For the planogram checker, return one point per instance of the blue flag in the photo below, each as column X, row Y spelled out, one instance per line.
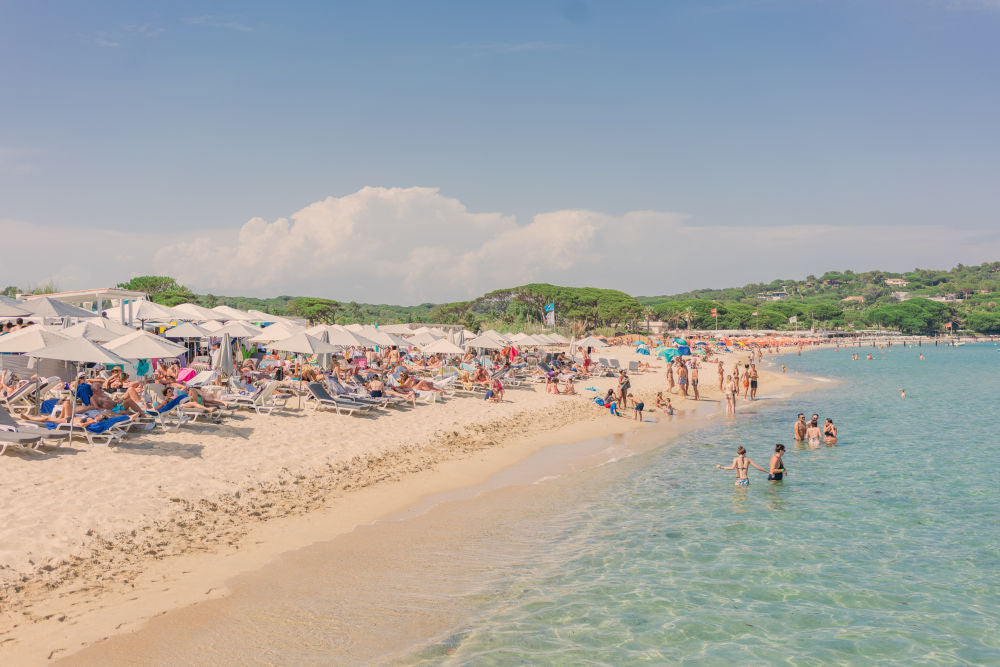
column 549, row 308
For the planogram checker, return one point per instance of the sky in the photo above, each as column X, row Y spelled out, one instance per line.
column 403, row 152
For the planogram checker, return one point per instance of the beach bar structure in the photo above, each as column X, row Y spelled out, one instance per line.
column 97, row 300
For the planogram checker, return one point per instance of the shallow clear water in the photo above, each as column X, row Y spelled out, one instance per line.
column 884, row 547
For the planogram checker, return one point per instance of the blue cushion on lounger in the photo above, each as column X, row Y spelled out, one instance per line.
column 105, row 424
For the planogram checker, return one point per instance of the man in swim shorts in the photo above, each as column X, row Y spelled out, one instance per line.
column 637, row 408
column 682, row 379
column 753, row 382
column 800, row 427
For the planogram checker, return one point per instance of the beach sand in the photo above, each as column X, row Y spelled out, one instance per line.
column 97, row 541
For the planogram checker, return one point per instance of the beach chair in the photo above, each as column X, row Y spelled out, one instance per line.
column 8, row 423
column 21, row 441
column 263, row 401
column 104, row 432
column 615, row 366
column 322, row 398
column 633, row 367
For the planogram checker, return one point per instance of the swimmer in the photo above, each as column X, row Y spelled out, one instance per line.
column 902, row 393
column 800, row 427
column 741, row 464
column 777, row 466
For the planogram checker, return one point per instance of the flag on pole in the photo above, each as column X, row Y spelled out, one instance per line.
column 793, row 319
column 947, row 325
column 715, row 312
column 755, row 313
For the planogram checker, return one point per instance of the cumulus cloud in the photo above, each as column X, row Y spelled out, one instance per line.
column 406, row 245
column 409, row 245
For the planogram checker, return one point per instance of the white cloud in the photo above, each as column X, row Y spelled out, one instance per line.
column 408, row 245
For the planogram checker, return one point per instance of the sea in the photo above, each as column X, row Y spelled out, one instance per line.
column 884, row 548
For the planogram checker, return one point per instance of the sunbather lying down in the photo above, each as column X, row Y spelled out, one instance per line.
column 62, row 411
column 409, row 382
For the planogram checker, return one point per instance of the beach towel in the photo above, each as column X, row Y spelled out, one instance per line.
column 84, row 392
column 47, row 405
column 186, row 374
column 172, row 403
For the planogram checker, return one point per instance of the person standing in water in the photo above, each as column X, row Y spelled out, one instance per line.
column 777, row 466
column 829, row 432
column 730, row 393
column 753, row 382
column 741, row 464
column 722, row 374
column 813, row 434
column 800, row 427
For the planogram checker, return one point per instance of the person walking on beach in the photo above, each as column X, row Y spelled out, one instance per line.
column 753, row 382
column 694, row 378
column 730, row 393
column 722, row 374
column 637, row 407
column 670, row 377
column 623, row 386
column 741, row 464
column 682, row 378
column 777, row 466
column 800, row 427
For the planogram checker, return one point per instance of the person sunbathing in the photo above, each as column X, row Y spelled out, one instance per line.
column 401, row 392
column 203, row 402
column 116, row 381
column 62, row 412
column 14, row 384
column 98, row 398
column 408, row 381
column 480, row 375
column 644, row 367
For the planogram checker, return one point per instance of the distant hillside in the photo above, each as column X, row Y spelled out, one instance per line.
column 919, row 301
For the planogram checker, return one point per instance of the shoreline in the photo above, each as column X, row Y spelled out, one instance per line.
column 121, row 594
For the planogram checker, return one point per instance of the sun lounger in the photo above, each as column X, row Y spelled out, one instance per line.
column 323, row 399
column 8, row 423
column 261, row 401
column 106, row 430
column 17, row 440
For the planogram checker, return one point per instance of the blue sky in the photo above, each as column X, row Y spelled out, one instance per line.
column 149, row 123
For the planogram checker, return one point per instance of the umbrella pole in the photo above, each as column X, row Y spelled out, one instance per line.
column 72, row 403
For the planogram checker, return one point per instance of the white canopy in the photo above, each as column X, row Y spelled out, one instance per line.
column 187, row 330
column 238, row 329
column 196, row 313
column 260, row 316
column 79, row 350
column 496, row 335
column 385, row 338
column 531, row 341
column 402, row 329
column 30, row 339
column 43, row 306
column 303, row 343
column 442, row 346
column 233, row 314
column 559, row 339
column 144, row 345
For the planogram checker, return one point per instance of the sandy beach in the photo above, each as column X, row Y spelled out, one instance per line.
column 98, row 540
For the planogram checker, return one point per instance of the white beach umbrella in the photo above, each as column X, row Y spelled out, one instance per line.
column 30, row 339
column 187, row 330
column 144, row 311
column 224, row 361
column 78, row 350
column 386, row 339
column 8, row 310
column 530, row 341
column 442, row 346
column 485, row 342
column 43, row 306
column 558, row 338
column 572, row 347
column 238, row 329
column 356, row 328
column 468, row 334
column 398, row 329
column 590, row 341
column 342, row 337
column 212, row 326
column 278, row 331
column 425, row 338
column 260, row 316
column 496, row 335
column 316, row 329
column 231, row 313
column 111, row 325
column 200, row 313
column 144, row 345
column 325, row 359
column 91, row 331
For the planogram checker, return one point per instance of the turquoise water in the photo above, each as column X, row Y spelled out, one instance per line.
column 883, row 548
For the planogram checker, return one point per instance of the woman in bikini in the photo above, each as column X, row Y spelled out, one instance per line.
column 722, row 374
column 829, row 432
column 777, row 466
column 814, row 434
column 730, row 392
column 741, row 464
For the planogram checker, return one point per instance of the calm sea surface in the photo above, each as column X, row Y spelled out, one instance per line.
column 883, row 548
